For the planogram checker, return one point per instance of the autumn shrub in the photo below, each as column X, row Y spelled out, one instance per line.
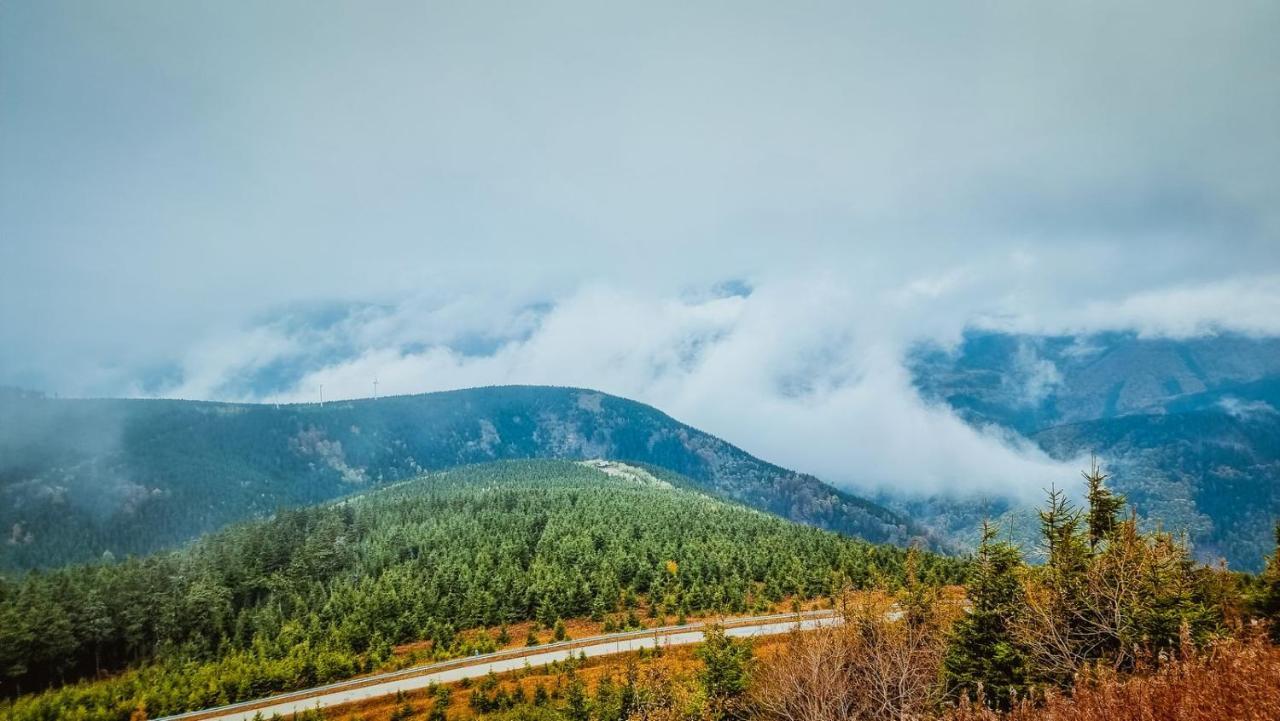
column 1230, row 680
column 883, row 662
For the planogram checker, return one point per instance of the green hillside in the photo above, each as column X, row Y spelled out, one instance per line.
column 82, row 477
column 321, row 593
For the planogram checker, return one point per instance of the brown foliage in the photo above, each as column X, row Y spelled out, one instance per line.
column 1232, row 680
column 877, row 665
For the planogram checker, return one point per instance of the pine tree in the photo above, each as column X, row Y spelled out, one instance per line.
column 576, row 697
column 1269, row 604
column 1104, row 506
column 404, row 710
column 440, row 705
column 1066, row 552
column 983, row 653
column 1054, row 628
column 917, row 599
column 726, row 668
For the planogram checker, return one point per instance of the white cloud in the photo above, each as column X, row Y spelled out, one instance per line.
column 510, row 197
column 805, row 371
column 1246, row 410
column 1247, row 304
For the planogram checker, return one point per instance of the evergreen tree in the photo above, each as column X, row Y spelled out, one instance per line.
column 984, row 658
column 439, row 708
column 726, row 668
column 1104, row 506
column 1270, row 599
column 576, row 707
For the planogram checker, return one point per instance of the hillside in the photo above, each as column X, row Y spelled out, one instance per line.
column 1030, row 383
column 82, row 477
column 323, row 593
column 1188, row 428
column 1213, row 475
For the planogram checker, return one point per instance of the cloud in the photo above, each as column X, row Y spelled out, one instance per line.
column 1246, row 410
column 174, row 169
column 249, row 202
column 1248, row 304
column 805, row 371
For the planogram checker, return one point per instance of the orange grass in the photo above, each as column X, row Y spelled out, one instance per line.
column 1234, row 681
column 674, row 662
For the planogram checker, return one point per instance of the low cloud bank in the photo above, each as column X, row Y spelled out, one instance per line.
column 806, row 370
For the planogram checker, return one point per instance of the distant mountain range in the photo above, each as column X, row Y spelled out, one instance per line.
column 1190, row 429
column 80, row 478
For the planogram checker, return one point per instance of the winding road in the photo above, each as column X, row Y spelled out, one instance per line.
column 359, row 689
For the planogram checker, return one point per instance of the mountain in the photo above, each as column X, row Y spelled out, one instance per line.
column 1188, row 428
column 1214, row 475
column 80, row 478
column 321, row 593
column 1030, row 383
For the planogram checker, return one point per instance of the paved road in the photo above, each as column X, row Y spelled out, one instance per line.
column 359, row 689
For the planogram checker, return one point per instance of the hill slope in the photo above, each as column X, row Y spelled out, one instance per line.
column 1030, row 383
column 1189, row 428
column 82, row 477
column 321, row 593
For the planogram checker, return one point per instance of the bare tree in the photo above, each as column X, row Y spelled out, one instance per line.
column 879, row 665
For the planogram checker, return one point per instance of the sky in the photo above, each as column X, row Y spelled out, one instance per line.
column 743, row 213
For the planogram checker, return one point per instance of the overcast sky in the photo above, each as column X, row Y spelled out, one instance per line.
column 742, row 213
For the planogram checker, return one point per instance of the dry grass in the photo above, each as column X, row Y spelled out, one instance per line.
column 1233, row 681
column 410, row 654
column 675, row 666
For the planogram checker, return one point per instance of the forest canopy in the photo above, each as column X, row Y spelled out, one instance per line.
column 322, row 593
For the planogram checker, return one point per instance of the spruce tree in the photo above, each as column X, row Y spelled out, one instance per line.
column 576, row 708
column 1104, row 506
column 984, row 660
column 726, row 669
column 1270, row 601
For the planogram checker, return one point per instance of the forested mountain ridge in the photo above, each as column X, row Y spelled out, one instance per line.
column 1213, row 475
column 1030, row 383
column 1189, row 428
column 82, row 477
column 322, row 593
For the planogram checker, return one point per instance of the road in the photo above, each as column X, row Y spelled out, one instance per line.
column 359, row 689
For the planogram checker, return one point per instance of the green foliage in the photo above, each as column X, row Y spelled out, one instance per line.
column 726, row 670
column 576, row 706
column 984, row 654
column 1104, row 506
column 1107, row 593
column 1269, row 598
column 439, row 704
column 319, row 594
